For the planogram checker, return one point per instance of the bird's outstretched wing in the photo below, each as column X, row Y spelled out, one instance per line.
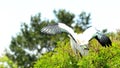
column 51, row 29
column 103, row 40
column 57, row 28
column 92, row 32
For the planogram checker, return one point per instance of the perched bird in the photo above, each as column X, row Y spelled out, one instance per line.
column 79, row 42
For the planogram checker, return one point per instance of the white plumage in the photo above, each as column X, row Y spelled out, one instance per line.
column 79, row 42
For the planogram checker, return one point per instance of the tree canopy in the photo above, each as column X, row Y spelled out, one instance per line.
column 31, row 48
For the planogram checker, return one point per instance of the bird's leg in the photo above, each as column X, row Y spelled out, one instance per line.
column 80, row 55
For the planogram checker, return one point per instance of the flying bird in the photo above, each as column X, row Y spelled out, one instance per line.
column 79, row 42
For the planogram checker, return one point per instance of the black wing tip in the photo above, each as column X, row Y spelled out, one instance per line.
column 51, row 29
column 104, row 41
column 43, row 31
column 107, row 45
column 46, row 32
column 108, row 41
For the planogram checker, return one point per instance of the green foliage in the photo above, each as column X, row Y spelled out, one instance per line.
column 84, row 20
column 30, row 40
column 4, row 59
column 99, row 57
column 59, row 53
column 26, row 49
column 64, row 16
column 102, row 58
column 61, row 57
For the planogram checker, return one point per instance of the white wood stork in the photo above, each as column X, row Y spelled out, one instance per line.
column 79, row 42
